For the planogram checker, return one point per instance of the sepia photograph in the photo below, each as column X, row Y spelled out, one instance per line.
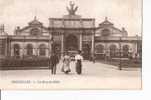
column 71, row 44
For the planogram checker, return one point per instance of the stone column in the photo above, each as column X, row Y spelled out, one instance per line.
column 9, row 47
column 49, row 44
column 62, row 44
column 12, row 51
column 49, row 49
column 135, row 47
column 35, row 48
column 24, row 46
column 80, row 41
column 23, row 49
column 21, row 52
column 36, row 51
column 92, row 47
column 47, row 52
column 6, row 46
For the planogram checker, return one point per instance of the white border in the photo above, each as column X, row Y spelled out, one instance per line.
column 101, row 95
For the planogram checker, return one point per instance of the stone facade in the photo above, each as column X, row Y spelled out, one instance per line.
column 70, row 33
column 110, row 41
column 30, row 40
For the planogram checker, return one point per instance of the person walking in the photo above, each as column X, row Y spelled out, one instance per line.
column 54, row 61
column 66, row 63
column 79, row 59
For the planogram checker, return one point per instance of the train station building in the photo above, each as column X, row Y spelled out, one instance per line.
column 69, row 33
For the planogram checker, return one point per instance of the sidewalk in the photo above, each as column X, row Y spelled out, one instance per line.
column 94, row 76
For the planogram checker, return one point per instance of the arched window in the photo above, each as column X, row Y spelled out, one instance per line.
column 99, row 48
column 35, row 31
column 29, row 49
column 125, row 50
column 105, row 32
column 16, row 50
column 113, row 49
column 42, row 50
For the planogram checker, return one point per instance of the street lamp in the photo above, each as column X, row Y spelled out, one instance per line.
column 51, row 42
column 120, row 64
column 52, row 45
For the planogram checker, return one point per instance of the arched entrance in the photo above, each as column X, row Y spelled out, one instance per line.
column 42, row 50
column 113, row 49
column 71, row 43
column 86, row 51
column 29, row 49
column 99, row 51
column 16, row 50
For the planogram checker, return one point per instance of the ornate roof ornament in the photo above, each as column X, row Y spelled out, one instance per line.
column 35, row 18
column 35, row 22
column 106, row 22
column 72, row 8
column 106, row 18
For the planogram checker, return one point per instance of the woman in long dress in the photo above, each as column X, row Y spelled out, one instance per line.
column 66, row 63
column 79, row 59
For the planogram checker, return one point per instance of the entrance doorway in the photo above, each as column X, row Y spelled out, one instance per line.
column 86, row 51
column 71, row 43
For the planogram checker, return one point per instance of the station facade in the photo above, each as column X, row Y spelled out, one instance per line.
column 70, row 33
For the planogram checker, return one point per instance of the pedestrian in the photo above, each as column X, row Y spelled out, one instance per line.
column 78, row 60
column 66, row 63
column 54, row 61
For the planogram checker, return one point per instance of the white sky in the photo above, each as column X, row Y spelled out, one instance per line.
column 123, row 13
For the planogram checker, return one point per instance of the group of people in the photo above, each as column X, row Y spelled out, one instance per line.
column 54, row 60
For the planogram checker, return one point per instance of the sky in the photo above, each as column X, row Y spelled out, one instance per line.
column 123, row 13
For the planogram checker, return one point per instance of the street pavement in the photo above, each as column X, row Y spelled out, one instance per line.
column 94, row 76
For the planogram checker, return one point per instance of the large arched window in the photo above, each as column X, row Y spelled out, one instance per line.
column 113, row 49
column 99, row 48
column 125, row 50
column 16, row 50
column 35, row 31
column 29, row 49
column 105, row 32
column 42, row 50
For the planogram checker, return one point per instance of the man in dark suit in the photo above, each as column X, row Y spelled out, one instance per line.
column 54, row 61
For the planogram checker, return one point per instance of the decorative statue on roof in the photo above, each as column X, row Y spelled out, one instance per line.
column 72, row 9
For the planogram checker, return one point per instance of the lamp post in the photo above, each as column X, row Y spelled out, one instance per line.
column 51, row 42
column 120, row 64
column 52, row 45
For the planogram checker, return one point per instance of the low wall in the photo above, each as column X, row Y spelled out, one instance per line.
column 24, row 63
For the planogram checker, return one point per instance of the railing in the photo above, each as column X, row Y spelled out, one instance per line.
column 24, row 63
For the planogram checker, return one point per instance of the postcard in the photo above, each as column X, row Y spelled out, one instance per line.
column 71, row 44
